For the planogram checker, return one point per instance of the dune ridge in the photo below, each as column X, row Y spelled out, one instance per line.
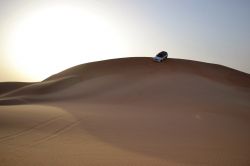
column 124, row 67
column 6, row 87
column 211, row 71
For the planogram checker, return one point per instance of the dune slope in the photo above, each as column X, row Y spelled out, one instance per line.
column 130, row 111
column 6, row 87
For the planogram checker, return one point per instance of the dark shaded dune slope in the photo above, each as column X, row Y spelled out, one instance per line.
column 10, row 86
column 28, row 93
column 45, row 87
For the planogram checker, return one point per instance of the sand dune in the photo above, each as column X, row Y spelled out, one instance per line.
column 6, row 87
column 25, row 94
column 129, row 111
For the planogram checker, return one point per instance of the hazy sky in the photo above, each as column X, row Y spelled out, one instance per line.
column 215, row 31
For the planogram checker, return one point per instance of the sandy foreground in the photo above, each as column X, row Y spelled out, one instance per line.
column 129, row 111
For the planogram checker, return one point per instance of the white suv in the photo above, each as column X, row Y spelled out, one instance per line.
column 161, row 56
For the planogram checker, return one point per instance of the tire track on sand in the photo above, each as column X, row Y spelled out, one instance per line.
column 29, row 130
column 56, row 133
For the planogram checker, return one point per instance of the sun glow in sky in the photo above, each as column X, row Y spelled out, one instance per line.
column 39, row 38
column 51, row 39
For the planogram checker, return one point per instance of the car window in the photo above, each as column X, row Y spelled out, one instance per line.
column 161, row 55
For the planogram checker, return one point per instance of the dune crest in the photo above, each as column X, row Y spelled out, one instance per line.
column 131, row 68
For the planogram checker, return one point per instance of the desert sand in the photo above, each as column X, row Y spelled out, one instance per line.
column 129, row 111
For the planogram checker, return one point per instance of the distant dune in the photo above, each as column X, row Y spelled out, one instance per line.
column 6, row 87
column 129, row 111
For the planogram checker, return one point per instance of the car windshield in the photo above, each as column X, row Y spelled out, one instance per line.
column 161, row 55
